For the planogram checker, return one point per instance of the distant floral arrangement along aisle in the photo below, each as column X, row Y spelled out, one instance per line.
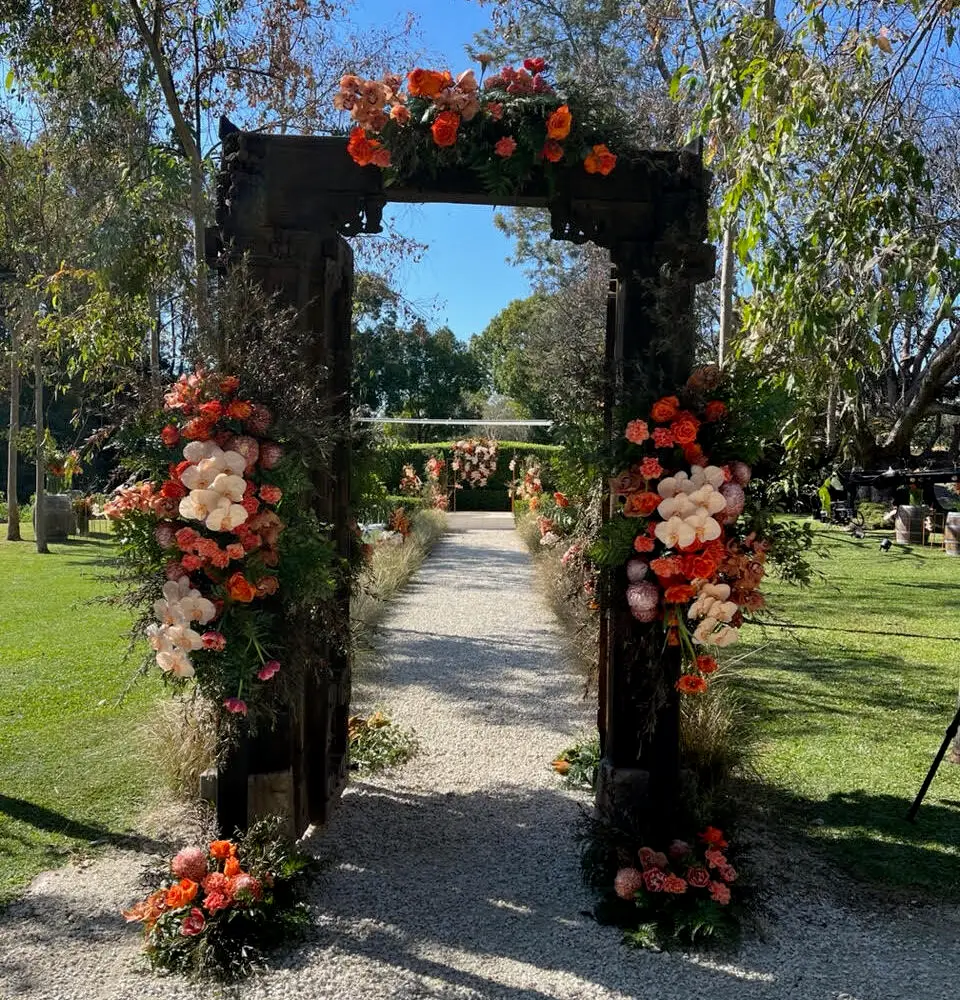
column 504, row 127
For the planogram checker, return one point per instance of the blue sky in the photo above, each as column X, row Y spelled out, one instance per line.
column 463, row 279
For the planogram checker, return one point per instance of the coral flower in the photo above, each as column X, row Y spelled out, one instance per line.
column 231, row 867
column 679, row 594
column 561, row 766
column 650, row 468
column 400, row 114
column 628, row 882
column 495, row 111
column 653, row 879
column 214, row 641
column 241, row 589
column 674, row 884
column 643, row 543
column 229, row 385
column 600, row 160
column 505, row 147
column 270, row 494
column 559, row 122
column 239, row 409
column 444, row 128
column 663, row 437
column 425, row 82
column 719, row 893
column 169, row 435
column 691, row 684
column 552, row 151
column 537, row 65
column 698, row 877
column 561, row 500
column 665, row 409
column 637, row 431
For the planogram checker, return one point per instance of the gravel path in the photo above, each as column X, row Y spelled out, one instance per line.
column 457, row 877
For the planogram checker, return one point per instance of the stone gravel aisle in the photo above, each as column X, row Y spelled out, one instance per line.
column 457, row 876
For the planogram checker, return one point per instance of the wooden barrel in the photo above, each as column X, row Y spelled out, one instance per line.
column 951, row 534
column 909, row 525
column 58, row 516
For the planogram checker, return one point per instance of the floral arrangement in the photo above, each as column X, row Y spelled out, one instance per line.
column 680, row 893
column 435, row 470
column 400, row 522
column 61, row 468
column 204, row 544
column 528, row 485
column 410, row 483
column 691, row 562
column 474, row 461
column 217, row 908
column 503, row 127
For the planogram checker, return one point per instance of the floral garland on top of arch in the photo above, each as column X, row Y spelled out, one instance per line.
column 694, row 559
column 504, row 127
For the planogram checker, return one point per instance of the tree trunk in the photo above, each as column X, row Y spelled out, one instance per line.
column 727, row 273
column 831, row 429
column 13, row 508
column 40, row 522
column 155, row 349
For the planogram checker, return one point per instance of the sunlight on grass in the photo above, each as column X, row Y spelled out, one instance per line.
column 69, row 768
column 850, row 717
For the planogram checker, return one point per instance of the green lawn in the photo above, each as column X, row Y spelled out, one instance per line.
column 69, row 769
column 851, row 717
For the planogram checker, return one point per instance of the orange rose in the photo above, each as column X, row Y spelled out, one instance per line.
column 691, row 684
column 444, row 128
column 552, row 151
column 664, row 410
column 364, row 151
column 695, row 455
column 231, row 867
column 558, row 124
column 240, row 589
column 685, row 429
column 641, row 504
column 400, row 114
column 425, row 82
column 221, row 849
column 679, row 594
column 600, row 161
column 715, row 410
column 239, row 409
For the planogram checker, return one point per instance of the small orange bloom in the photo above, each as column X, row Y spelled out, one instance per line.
column 561, row 500
column 221, row 849
column 715, row 410
column 706, row 664
column 231, row 867
column 665, row 409
column 643, row 543
column 679, row 594
column 239, row 409
column 506, row 147
column 714, row 838
column 650, row 468
column 552, row 151
column 561, row 766
column 559, row 122
column 181, row 894
column 691, row 684
column 239, row 588
column 600, row 161
column 400, row 114
column 425, row 82
column 444, row 128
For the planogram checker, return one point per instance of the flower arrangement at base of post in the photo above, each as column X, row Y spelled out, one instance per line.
column 213, row 564
column 216, row 909
column 676, row 895
column 504, row 128
column 410, row 483
column 436, row 492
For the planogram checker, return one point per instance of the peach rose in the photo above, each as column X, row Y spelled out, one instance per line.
column 444, row 128
column 559, row 122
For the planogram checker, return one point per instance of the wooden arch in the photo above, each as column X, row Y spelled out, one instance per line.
column 286, row 204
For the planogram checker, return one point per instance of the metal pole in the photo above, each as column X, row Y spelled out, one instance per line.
column 947, row 739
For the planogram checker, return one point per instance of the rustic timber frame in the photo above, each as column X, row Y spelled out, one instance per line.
column 284, row 205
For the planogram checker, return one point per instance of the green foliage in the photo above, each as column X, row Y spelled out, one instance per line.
column 873, row 514
column 583, row 758
column 614, row 543
column 377, row 743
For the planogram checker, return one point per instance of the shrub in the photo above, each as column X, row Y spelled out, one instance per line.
column 580, row 762
column 377, row 742
column 873, row 513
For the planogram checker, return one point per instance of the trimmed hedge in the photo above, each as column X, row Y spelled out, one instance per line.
column 388, row 464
